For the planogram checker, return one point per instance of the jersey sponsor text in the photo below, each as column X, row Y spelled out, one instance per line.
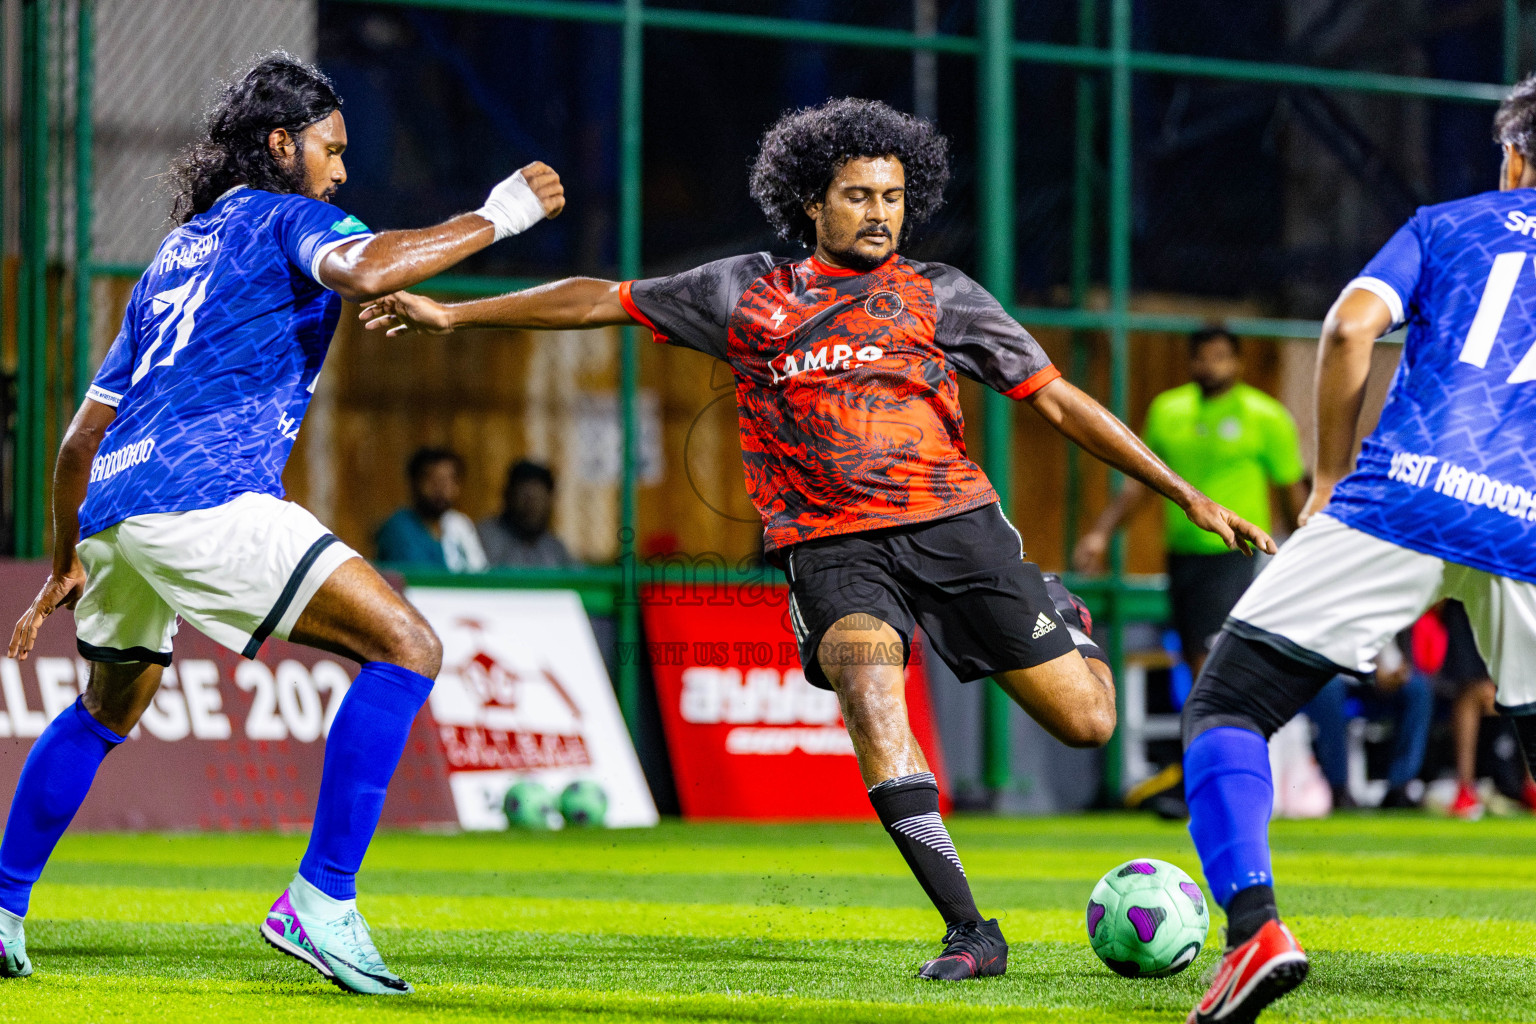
column 104, row 467
column 1464, row 484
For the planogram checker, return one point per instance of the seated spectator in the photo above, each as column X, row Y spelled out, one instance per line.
column 1399, row 692
column 520, row 535
column 431, row 532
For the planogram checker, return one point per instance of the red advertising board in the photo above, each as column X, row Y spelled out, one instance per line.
column 747, row 735
column 226, row 744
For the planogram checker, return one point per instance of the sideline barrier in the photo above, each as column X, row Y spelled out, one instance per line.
column 231, row 744
column 523, row 696
column 748, row 736
column 226, row 744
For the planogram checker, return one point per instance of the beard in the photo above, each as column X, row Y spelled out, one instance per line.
column 856, row 259
column 293, row 176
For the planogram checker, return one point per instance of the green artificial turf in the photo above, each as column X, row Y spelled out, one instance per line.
column 1405, row 917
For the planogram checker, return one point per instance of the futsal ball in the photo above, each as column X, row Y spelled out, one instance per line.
column 529, row 805
column 583, row 802
column 1147, row 919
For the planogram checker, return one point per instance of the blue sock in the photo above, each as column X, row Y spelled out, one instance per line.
column 1227, row 786
column 59, row 771
column 361, row 753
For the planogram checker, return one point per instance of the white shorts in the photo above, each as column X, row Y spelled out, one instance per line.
column 239, row 572
column 1335, row 595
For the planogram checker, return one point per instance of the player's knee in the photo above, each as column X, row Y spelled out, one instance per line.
column 1094, row 723
column 871, row 700
column 1249, row 685
column 415, row 645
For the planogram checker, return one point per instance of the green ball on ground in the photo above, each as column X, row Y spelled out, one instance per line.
column 528, row 805
column 583, row 802
column 1147, row 919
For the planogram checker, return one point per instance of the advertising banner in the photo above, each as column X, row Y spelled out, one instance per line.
column 747, row 735
column 524, row 697
column 226, row 744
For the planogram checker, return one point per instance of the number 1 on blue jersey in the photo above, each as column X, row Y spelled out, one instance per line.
column 1478, row 345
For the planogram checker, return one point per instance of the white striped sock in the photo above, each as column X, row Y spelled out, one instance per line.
column 929, row 830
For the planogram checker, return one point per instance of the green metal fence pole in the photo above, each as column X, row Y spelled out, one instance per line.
column 1119, row 338
column 631, row 110
column 1082, row 255
column 995, row 255
column 58, row 341
column 85, row 135
column 32, row 307
column 5, row 288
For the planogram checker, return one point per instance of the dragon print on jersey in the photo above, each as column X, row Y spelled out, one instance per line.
column 846, row 384
column 849, row 421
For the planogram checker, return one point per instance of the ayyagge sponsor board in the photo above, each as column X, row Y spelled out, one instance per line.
column 747, row 735
column 523, row 695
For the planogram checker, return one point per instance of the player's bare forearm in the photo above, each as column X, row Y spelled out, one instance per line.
column 393, row 260
column 575, row 303
column 571, row 304
column 71, row 476
column 1095, row 429
column 1343, row 365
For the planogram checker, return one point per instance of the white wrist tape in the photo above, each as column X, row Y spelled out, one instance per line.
column 512, row 207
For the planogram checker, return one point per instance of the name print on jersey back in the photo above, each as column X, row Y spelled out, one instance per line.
column 220, row 348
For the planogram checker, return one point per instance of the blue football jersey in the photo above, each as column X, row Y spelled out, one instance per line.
column 217, row 358
column 1451, row 468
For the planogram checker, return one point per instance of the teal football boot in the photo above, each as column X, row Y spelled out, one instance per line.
column 332, row 937
column 13, row 947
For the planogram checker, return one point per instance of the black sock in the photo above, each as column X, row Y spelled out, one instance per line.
column 909, row 810
column 1249, row 911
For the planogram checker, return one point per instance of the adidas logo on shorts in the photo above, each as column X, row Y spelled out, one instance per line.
column 1043, row 625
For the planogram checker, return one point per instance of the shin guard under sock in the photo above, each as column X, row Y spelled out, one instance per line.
column 1227, row 786
column 909, row 810
column 361, row 754
column 58, row 773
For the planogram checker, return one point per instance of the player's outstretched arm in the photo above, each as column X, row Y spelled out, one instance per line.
column 1350, row 331
column 575, row 303
column 392, row 260
column 1093, row 428
column 71, row 473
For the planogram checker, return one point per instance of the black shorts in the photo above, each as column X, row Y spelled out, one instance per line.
column 1463, row 664
column 1202, row 591
column 983, row 609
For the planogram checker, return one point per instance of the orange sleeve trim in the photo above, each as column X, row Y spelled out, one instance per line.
column 627, row 301
column 1036, row 381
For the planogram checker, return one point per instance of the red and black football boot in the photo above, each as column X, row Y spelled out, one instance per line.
column 1071, row 607
column 972, row 949
column 1252, row 976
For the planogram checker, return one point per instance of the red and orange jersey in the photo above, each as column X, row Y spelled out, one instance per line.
column 846, row 382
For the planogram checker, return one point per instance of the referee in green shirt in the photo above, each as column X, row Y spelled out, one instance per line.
column 1234, row 443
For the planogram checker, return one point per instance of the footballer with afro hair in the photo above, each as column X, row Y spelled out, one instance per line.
column 846, row 363
column 801, row 153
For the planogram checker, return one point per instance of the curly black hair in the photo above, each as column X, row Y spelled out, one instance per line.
column 277, row 91
column 800, row 154
column 1515, row 122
